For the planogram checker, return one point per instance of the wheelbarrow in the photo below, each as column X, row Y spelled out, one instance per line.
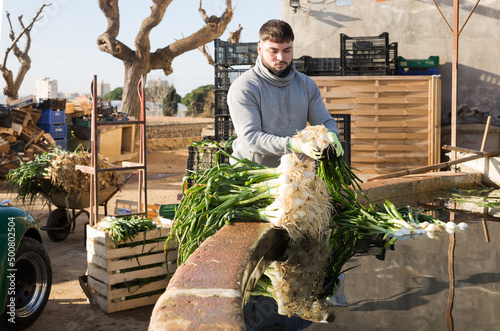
column 61, row 222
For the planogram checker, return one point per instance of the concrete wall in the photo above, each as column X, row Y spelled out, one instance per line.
column 420, row 32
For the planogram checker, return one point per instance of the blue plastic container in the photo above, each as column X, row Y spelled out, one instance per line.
column 418, row 72
column 56, row 130
column 52, row 116
column 62, row 143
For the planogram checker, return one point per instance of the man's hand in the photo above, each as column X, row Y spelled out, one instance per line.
column 334, row 140
column 329, row 153
column 307, row 148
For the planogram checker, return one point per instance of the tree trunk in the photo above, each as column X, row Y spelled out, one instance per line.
column 130, row 99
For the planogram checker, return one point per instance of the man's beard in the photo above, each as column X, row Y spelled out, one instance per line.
column 279, row 73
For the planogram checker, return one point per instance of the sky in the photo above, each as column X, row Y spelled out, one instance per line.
column 64, row 40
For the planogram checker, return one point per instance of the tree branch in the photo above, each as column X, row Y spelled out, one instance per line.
column 234, row 37
column 142, row 43
column 12, row 85
column 107, row 42
column 204, row 50
column 14, row 42
column 162, row 58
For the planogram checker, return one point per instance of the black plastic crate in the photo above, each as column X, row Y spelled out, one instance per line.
column 300, row 64
column 323, row 66
column 366, row 66
column 393, row 59
column 221, row 107
column 224, row 128
column 201, row 158
column 5, row 118
column 344, row 125
column 364, row 45
column 367, row 56
column 317, row 66
column 229, row 54
column 225, row 76
column 52, row 103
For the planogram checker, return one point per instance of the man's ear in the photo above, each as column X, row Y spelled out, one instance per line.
column 259, row 50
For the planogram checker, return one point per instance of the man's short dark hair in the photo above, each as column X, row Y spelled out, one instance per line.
column 276, row 31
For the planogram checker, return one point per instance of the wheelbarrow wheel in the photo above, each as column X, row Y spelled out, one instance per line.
column 57, row 219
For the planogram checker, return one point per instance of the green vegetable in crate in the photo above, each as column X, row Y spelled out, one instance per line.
column 126, row 228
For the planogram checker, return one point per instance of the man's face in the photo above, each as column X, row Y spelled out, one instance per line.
column 277, row 57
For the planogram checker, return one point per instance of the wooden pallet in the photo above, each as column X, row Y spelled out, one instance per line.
column 395, row 120
column 20, row 119
column 113, row 272
column 36, row 138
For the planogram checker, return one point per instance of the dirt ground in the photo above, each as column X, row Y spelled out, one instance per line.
column 68, row 308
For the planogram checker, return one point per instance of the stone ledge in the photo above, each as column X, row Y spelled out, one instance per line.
column 207, row 292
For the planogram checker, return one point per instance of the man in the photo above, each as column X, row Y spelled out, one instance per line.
column 271, row 102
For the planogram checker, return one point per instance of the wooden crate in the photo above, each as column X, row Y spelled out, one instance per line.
column 395, row 120
column 20, row 119
column 114, row 271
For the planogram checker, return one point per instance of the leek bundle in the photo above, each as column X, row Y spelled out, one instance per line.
column 291, row 197
column 297, row 282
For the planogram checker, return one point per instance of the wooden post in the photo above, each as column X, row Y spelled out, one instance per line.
column 454, row 80
column 485, row 135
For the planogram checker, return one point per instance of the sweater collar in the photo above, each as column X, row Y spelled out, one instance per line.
column 263, row 72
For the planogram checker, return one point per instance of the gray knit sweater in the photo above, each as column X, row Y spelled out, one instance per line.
column 267, row 110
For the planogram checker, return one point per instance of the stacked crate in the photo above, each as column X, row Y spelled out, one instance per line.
column 53, row 121
column 231, row 61
column 5, row 117
column 368, row 56
column 312, row 66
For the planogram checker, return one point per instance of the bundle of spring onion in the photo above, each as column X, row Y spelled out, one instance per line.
column 54, row 171
column 290, row 196
column 297, row 282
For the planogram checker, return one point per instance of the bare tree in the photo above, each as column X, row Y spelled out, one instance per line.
column 13, row 84
column 140, row 61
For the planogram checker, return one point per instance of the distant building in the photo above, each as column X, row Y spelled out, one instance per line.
column 71, row 96
column 102, row 89
column 45, row 88
column 83, row 97
column 157, row 82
